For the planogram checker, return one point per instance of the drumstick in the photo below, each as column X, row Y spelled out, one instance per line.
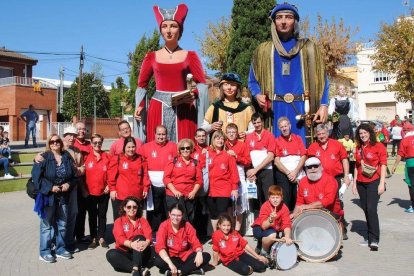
column 281, row 240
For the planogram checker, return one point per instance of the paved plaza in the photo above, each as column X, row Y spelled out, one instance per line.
column 19, row 236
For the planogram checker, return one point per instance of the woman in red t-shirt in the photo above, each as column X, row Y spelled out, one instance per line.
column 132, row 235
column 182, row 178
column 96, row 167
column 127, row 176
column 370, row 187
column 178, row 248
column 232, row 249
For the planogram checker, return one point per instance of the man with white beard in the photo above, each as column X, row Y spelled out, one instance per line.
column 317, row 190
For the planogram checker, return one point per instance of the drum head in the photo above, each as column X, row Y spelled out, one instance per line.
column 319, row 235
column 285, row 256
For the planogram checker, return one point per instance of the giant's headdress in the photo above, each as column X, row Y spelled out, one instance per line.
column 176, row 14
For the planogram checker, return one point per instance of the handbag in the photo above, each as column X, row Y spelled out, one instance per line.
column 367, row 170
column 31, row 189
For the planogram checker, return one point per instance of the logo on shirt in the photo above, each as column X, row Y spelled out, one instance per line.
column 184, row 244
column 125, row 227
column 317, row 154
column 285, row 152
column 179, row 165
column 170, row 242
column 125, row 165
column 333, row 157
column 222, row 244
column 90, row 165
column 104, row 168
column 196, row 156
column 170, row 157
column 370, row 155
column 154, row 154
column 234, row 238
column 320, row 196
column 252, row 144
column 223, row 166
column 305, row 192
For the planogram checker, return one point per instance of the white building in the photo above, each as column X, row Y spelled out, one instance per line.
column 375, row 102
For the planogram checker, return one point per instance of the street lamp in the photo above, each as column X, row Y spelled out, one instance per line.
column 93, row 86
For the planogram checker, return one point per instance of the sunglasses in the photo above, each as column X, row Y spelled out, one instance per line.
column 185, row 148
column 56, row 142
column 312, row 167
column 97, row 143
column 129, row 207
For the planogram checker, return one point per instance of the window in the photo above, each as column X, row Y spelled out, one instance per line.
column 6, row 72
column 380, row 76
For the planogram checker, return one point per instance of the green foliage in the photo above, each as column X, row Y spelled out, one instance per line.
column 250, row 27
column 395, row 55
column 144, row 46
column 215, row 43
column 87, row 94
column 120, row 93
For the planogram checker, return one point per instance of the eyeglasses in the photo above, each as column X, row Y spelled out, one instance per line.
column 126, row 129
column 176, row 216
column 131, row 206
column 97, row 143
column 56, row 142
column 185, row 148
column 312, row 167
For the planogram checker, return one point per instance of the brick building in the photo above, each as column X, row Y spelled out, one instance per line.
column 18, row 89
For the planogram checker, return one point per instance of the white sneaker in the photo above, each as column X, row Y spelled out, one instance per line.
column 364, row 243
column 8, row 176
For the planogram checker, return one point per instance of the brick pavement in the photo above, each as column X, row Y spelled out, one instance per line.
column 19, row 235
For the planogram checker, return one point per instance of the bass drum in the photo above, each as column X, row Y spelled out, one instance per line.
column 283, row 256
column 318, row 234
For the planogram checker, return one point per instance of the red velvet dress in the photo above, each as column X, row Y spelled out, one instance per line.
column 171, row 78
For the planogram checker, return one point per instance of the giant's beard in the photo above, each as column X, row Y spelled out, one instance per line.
column 314, row 176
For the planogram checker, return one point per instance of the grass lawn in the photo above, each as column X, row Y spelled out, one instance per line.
column 13, row 185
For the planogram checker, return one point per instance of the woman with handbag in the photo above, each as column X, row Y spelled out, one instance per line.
column 183, row 179
column 369, row 179
column 53, row 178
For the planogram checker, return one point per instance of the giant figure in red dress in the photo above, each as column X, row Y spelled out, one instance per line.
column 170, row 67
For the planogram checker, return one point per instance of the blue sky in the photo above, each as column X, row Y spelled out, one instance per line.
column 110, row 29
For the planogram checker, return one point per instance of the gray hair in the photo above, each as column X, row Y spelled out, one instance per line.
column 321, row 127
column 283, row 118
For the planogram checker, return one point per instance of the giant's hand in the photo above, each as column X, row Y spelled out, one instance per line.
column 261, row 100
column 321, row 116
column 138, row 112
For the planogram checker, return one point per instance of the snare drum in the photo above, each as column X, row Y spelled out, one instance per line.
column 319, row 234
column 284, row 256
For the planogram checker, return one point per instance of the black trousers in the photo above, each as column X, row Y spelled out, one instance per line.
column 411, row 189
column 264, row 179
column 97, row 207
column 290, row 189
column 241, row 266
column 159, row 214
column 201, row 213
column 368, row 194
column 125, row 261
column 116, row 204
column 81, row 216
column 218, row 206
column 186, row 266
column 187, row 203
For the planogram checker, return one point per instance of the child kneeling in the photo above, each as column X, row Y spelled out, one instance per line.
column 273, row 218
column 231, row 247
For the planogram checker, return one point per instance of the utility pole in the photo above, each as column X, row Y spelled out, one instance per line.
column 61, row 77
column 80, row 83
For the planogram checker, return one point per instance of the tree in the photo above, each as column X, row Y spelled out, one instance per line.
column 395, row 55
column 144, row 46
column 120, row 93
column 334, row 40
column 87, row 98
column 250, row 27
column 215, row 43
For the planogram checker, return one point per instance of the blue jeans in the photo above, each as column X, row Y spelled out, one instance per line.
column 6, row 152
column 56, row 217
column 31, row 129
column 5, row 162
column 72, row 213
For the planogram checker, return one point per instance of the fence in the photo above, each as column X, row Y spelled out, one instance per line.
column 57, row 128
column 108, row 128
column 6, row 126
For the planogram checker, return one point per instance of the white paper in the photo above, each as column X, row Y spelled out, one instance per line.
column 156, row 178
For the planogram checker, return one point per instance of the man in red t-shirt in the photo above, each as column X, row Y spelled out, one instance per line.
column 290, row 155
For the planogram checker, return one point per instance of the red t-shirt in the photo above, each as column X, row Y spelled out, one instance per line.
column 96, row 173
column 128, row 176
column 281, row 221
column 374, row 156
column 183, row 176
column 125, row 230
column 85, row 147
column 331, row 158
column 180, row 244
column 197, row 153
column 292, row 146
column 407, row 147
column 265, row 141
column 117, row 146
column 158, row 156
column 324, row 190
column 229, row 248
column 242, row 153
column 222, row 173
